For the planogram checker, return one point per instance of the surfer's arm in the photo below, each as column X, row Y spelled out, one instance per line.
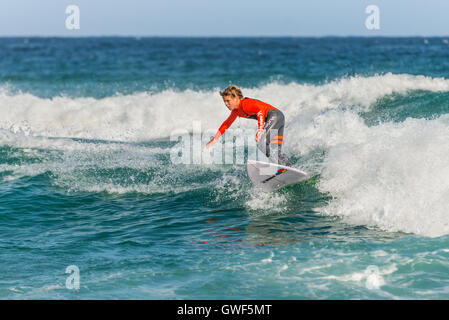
column 226, row 124
column 260, row 123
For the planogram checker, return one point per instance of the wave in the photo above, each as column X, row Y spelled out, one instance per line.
column 144, row 116
column 392, row 175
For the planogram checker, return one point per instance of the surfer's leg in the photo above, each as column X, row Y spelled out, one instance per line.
column 264, row 141
column 276, row 139
column 271, row 141
column 277, row 146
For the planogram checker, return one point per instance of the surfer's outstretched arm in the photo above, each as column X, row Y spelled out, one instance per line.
column 226, row 124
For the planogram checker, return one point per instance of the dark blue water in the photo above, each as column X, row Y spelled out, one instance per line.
column 87, row 176
column 101, row 67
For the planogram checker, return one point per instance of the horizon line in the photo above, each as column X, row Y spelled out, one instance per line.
column 223, row 36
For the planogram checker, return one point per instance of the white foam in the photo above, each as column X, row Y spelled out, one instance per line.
column 371, row 277
column 393, row 176
column 134, row 117
column 269, row 259
column 144, row 116
column 262, row 203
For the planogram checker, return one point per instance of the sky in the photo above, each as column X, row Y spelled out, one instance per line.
column 224, row 18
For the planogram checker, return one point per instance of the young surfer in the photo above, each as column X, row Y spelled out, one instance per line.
column 271, row 121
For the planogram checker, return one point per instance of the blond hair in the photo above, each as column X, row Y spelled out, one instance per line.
column 232, row 91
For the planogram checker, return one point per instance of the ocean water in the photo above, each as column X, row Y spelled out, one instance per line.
column 88, row 182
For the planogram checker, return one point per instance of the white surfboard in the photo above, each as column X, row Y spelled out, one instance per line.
column 270, row 176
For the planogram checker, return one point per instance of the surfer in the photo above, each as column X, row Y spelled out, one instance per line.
column 271, row 121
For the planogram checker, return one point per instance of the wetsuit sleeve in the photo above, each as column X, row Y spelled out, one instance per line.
column 226, row 124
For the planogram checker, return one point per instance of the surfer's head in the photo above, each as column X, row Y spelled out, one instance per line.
column 231, row 97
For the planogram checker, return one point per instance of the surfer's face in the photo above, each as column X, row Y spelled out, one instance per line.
column 231, row 102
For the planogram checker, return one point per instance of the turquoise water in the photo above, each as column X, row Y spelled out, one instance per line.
column 87, row 177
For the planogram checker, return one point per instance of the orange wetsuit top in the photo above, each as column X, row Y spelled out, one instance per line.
column 248, row 108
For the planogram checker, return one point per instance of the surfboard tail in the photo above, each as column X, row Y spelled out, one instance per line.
column 270, row 176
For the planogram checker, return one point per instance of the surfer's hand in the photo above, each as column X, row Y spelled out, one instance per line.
column 210, row 143
column 258, row 135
